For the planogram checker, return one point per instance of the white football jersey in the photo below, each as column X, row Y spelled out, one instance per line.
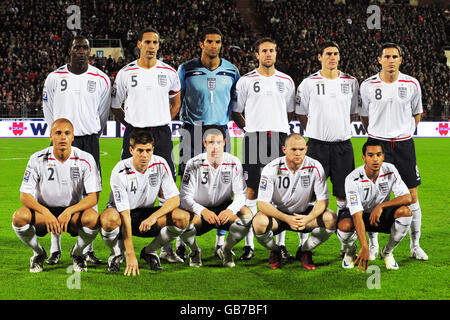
column 265, row 101
column 293, row 192
column 328, row 104
column 364, row 195
column 131, row 189
column 84, row 99
column 391, row 106
column 204, row 186
column 146, row 93
column 60, row 184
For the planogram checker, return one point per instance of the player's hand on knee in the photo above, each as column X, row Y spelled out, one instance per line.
column 225, row 216
column 132, row 266
column 64, row 219
column 375, row 216
column 362, row 259
column 51, row 223
column 293, row 221
column 210, row 217
column 147, row 224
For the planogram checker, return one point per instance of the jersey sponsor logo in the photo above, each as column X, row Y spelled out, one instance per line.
column 91, row 85
column 263, row 184
column 345, row 88
column 402, row 92
column 305, row 181
column 226, row 177
column 162, row 80
column 280, row 86
column 74, row 173
column 153, row 179
column 26, row 176
column 383, row 187
column 211, row 83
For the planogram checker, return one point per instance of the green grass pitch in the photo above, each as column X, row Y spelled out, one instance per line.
column 252, row 280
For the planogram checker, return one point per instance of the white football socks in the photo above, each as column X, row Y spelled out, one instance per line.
column 281, row 238
column 318, row 236
column 166, row 235
column 266, row 240
column 188, row 237
column 27, row 234
column 56, row 243
column 398, row 232
column 415, row 224
column 111, row 240
column 85, row 237
column 237, row 231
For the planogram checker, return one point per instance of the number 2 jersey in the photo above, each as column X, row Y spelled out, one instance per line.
column 364, row 195
column 205, row 186
column 293, row 192
column 60, row 184
column 131, row 189
column 391, row 106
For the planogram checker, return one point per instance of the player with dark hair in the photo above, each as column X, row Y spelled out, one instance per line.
column 325, row 103
column 265, row 96
column 52, row 197
column 391, row 109
column 150, row 91
column 136, row 182
column 368, row 190
column 80, row 93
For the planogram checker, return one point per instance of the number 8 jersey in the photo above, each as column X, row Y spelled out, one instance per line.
column 391, row 106
column 293, row 192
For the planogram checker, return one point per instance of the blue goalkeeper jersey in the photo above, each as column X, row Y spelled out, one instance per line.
column 207, row 95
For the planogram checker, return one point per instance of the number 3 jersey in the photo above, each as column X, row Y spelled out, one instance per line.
column 364, row 195
column 205, row 186
column 60, row 184
column 131, row 189
column 293, row 192
column 391, row 106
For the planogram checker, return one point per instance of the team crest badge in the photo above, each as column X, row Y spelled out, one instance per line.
column 162, row 80
column 402, row 92
column 91, row 85
column 226, row 177
column 280, row 86
column 345, row 88
column 306, row 181
column 211, row 83
column 153, row 179
column 383, row 186
column 74, row 173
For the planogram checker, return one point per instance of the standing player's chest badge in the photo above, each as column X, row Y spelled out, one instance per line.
column 345, row 88
column 402, row 92
column 153, row 179
column 162, row 80
column 74, row 173
column 211, row 83
column 280, row 86
column 91, row 85
column 226, row 177
column 305, row 180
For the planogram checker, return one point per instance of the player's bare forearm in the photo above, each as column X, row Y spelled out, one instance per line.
column 168, row 206
column 175, row 104
column 404, row 200
column 303, row 118
column 365, row 122
column 417, row 118
column 319, row 207
column 119, row 114
column 31, row 203
column 269, row 210
column 291, row 116
column 238, row 119
column 88, row 202
column 360, row 228
column 126, row 232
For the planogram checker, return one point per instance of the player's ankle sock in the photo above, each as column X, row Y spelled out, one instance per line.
column 266, row 240
column 249, row 239
column 398, row 232
column 373, row 239
column 89, row 248
column 188, row 237
column 167, row 247
column 347, row 239
column 238, row 230
column 415, row 224
column 166, row 235
column 220, row 237
column 56, row 242
column 27, row 234
column 318, row 236
column 281, row 238
column 179, row 242
column 111, row 239
column 85, row 236
column 302, row 237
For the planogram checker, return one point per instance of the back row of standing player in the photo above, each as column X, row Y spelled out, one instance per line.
column 211, row 89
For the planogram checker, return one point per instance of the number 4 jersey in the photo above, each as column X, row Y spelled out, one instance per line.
column 293, row 192
column 60, row 184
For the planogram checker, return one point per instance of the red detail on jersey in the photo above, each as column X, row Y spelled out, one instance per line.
column 174, row 93
column 76, row 158
column 317, row 78
column 310, row 168
column 285, row 78
column 285, row 169
column 364, row 181
column 130, row 69
column 132, row 172
column 61, row 72
column 51, row 159
column 228, row 164
column 375, row 82
column 388, row 139
column 386, row 174
column 167, row 68
column 409, row 81
column 99, row 75
column 256, row 75
column 160, row 163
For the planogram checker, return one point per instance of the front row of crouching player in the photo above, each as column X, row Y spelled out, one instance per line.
column 61, row 185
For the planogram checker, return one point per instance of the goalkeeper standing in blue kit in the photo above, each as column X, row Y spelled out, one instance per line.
column 207, row 96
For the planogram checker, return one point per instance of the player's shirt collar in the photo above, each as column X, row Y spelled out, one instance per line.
column 203, row 66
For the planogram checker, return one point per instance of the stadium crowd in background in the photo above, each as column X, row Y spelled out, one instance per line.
column 34, row 40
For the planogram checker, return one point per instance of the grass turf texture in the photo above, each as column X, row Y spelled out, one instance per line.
column 252, row 280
